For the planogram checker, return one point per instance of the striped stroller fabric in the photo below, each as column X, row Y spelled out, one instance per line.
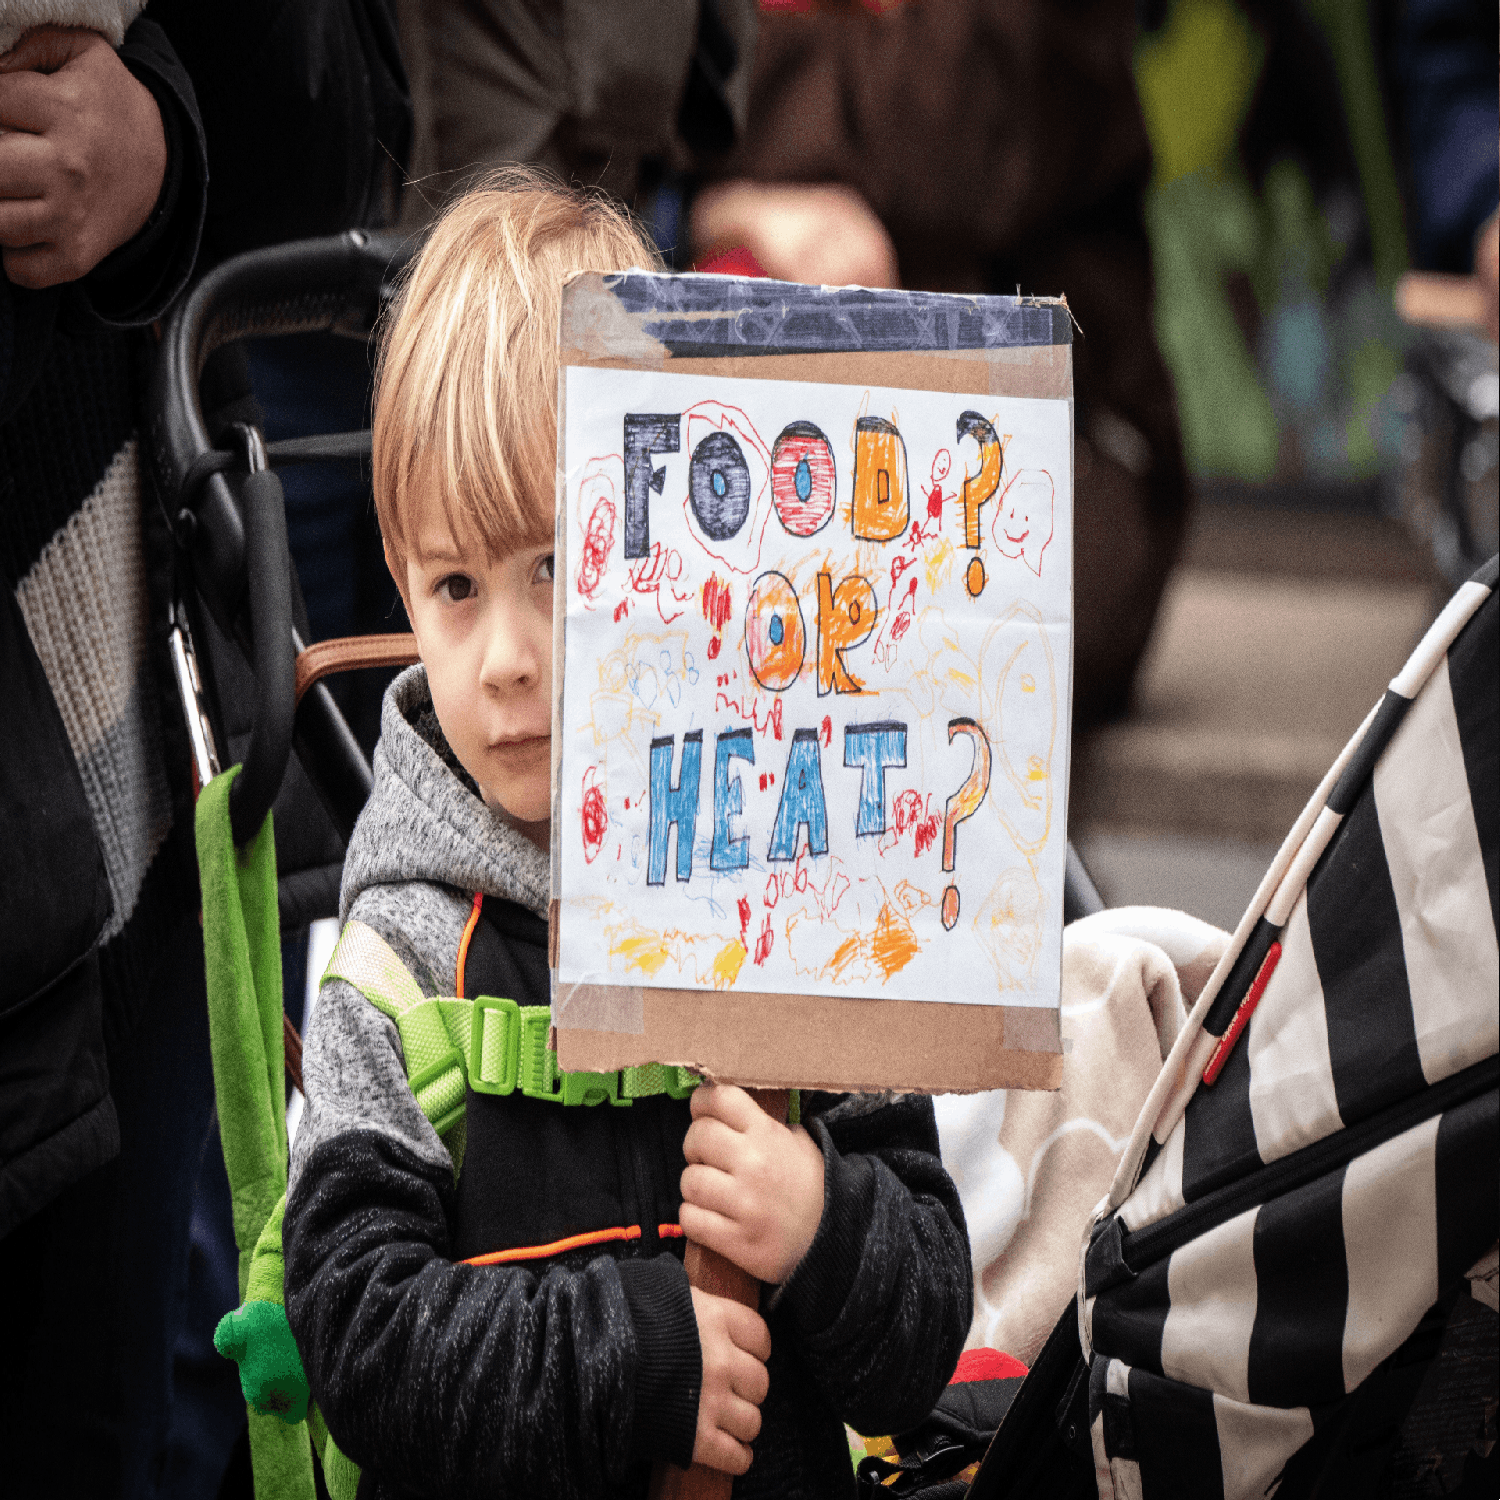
column 1315, row 1169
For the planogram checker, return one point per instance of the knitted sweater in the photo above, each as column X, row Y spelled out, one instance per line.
column 566, row 1376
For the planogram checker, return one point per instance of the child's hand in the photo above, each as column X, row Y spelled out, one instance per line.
column 736, row 1345
column 82, row 155
column 753, row 1188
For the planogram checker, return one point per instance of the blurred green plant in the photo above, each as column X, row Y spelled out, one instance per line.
column 1308, row 400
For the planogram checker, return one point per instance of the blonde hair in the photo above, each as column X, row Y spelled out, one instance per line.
column 466, row 383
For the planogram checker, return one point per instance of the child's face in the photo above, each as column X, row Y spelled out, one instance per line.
column 484, row 630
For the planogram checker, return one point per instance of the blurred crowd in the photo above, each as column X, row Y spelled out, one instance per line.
column 1228, row 193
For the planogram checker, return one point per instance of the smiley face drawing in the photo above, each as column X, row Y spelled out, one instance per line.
column 1023, row 519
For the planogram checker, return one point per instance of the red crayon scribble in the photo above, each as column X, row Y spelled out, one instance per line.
column 595, row 816
column 909, row 811
column 827, row 731
column 713, row 647
column 716, row 602
column 935, row 504
column 906, row 612
column 598, row 537
column 744, row 911
column 763, row 942
column 773, row 892
column 752, row 710
column 899, row 564
column 655, row 574
column 621, row 610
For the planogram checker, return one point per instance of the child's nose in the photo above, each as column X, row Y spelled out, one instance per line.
column 511, row 658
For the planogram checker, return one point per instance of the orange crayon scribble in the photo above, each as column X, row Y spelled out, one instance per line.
column 893, row 944
column 845, row 956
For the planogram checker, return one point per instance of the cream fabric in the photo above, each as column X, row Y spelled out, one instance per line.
column 1031, row 1166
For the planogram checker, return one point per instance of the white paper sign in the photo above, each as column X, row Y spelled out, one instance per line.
column 816, row 688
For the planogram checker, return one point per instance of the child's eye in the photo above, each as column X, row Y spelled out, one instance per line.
column 456, row 587
column 545, row 571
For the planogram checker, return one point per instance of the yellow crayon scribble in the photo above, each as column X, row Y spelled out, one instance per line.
column 726, row 967
column 1036, row 769
column 1028, row 683
column 940, row 565
column 647, row 953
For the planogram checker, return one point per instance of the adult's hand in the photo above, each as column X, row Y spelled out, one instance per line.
column 82, row 155
column 822, row 233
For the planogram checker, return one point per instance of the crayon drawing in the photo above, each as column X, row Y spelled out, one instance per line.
column 813, row 728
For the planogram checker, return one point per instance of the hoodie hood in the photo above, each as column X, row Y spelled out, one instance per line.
column 425, row 820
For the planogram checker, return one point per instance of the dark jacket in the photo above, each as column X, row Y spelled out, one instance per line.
column 567, row 1374
column 304, row 119
column 85, row 805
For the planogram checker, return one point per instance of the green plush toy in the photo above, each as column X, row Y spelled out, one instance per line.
column 257, row 1338
column 242, row 958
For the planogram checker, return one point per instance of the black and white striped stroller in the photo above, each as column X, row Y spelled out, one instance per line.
column 1290, row 1288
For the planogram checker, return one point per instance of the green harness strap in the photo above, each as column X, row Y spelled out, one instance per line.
column 490, row 1045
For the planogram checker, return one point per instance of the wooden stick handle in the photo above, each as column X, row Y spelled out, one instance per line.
column 709, row 1271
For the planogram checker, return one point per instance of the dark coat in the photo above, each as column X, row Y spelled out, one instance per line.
column 69, row 368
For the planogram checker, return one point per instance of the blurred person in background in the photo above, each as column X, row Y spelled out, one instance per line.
column 951, row 145
column 1445, row 60
column 105, row 1083
column 1000, row 146
column 104, row 1073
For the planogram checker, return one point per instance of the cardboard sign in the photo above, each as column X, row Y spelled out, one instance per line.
column 811, row 727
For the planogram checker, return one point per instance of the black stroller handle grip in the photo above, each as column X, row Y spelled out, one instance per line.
column 334, row 285
column 270, row 593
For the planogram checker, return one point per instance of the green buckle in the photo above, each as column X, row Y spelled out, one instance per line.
column 538, row 1075
column 494, row 1045
column 439, row 1089
column 679, row 1082
column 592, row 1088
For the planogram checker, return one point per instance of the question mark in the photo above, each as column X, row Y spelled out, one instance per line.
column 978, row 488
column 964, row 803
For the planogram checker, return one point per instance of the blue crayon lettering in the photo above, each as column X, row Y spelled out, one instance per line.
column 873, row 747
column 729, row 800
column 674, row 805
column 801, row 800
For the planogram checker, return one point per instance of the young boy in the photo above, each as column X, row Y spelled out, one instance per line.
column 569, row 1353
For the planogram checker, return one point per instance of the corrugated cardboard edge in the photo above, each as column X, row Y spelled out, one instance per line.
column 861, row 1044
column 826, row 1041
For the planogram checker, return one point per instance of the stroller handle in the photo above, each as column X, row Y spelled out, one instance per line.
column 336, row 285
column 237, row 548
